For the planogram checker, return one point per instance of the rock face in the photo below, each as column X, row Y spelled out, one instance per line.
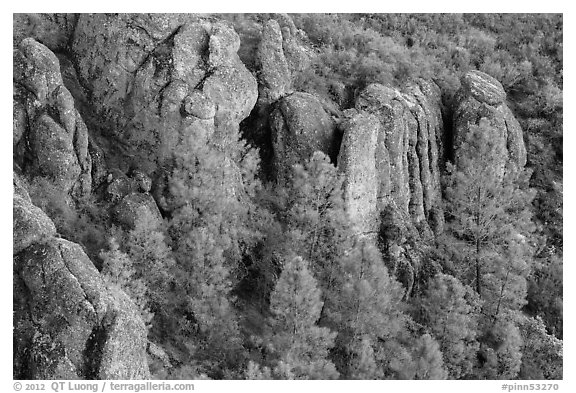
column 52, row 30
column 67, row 323
column 404, row 156
column 279, row 56
column 152, row 77
column 47, row 127
column 300, row 126
column 358, row 161
column 275, row 77
column 482, row 97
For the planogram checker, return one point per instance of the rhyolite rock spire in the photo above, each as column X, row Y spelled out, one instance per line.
column 404, row 155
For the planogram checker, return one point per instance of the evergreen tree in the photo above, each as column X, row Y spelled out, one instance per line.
column 118, row 269
column 213, row 223
column 490, row 222
column 428, row 363
column 367, row 311
column 152, row 259
column 487, row 204
column 300, row 345
column 312, row 223
column 451, row 310
column 542, row 353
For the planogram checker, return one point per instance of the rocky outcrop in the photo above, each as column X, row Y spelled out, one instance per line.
column 358, row 162
column 153, row 77
column 275, row 77
column 404, row 157
column 300, row 126
column 68, row 323
column 482, row 98
column 280, row 55
column 50, row 138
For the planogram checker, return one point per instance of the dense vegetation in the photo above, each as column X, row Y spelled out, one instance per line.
column 267, row 280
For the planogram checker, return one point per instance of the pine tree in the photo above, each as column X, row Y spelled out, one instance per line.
column 428, row 363
column 490, row 221
column 312, row 223
column 118, row 269
column 542, row 353
column 300, row 345
column 367, row 311
column 486, row 205
column 450, row 310
column 212, row 187
column 152, row 258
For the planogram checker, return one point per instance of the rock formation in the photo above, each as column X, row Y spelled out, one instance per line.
column 50, row 137
column 128, row 98
column 152, row 77
column 358, row 162
column 68, row 323
column 404, row 155
column 288, row 126
column 300, row 126
column 483, row 97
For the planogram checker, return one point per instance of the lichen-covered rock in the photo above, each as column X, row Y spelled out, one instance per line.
column 357, row 161
column 150, row 76
column 483, row 87
column 52, row 30
column 68, row 324
column 30, row 224
column 122, row 355
column 67, row 299
column 275, row 76
column 300, row 126
column 133, row 206
column 198, row 105
column 408, row 151
column 482, row 97
column 56, row 135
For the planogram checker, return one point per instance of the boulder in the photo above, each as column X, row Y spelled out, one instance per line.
column 122, row 355
column 483, row 88
column 300, row 126
column 52, row 30
column 133, row 206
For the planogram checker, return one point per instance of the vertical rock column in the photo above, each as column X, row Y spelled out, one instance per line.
column 357, row 161
column 406, row 163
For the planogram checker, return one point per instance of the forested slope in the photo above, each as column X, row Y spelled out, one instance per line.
column 271, row 196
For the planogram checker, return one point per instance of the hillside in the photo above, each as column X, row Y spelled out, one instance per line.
column 273, row 196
